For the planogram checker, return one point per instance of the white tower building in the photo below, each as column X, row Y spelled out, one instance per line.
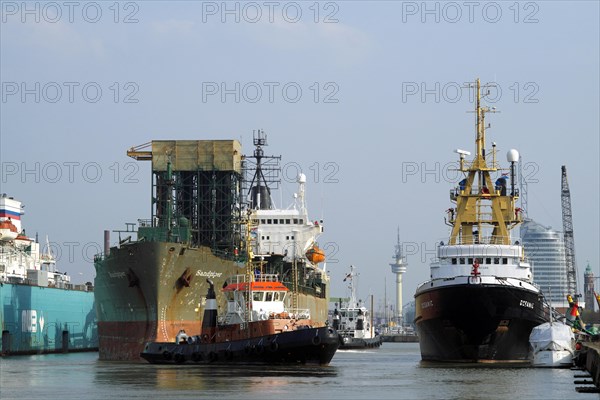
column 398, row 268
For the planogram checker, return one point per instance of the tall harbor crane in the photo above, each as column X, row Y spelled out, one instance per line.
column 567, row 220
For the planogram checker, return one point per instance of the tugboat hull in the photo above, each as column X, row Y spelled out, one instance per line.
column 477, row 323
column 303, row 346
column 350, row 343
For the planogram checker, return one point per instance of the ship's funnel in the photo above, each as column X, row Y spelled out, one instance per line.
column 360, row 321
column 209, row 321
column 261, row 198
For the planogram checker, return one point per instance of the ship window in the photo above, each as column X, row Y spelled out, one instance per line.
column 281, row 221
column 268, row 221
column 470, row 260
column 488, row 260
column 454, row 261
column 287, row 221
column 268, row 237
column 295, row 220
column 496, row 260
column 301, row 220
column 257, row 296
column 262, row 221
column 262, row 237
column 504, row 260
column 287, row 238
column 275, row 221
column 269, row 296
column 462, row 260
column 292, row 238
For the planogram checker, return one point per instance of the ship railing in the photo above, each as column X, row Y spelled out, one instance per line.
column 266, row 277
column 298, row 313
column 258, row 277
column 483, row 239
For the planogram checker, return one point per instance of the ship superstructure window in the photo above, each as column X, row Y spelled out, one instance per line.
column 274, row 221
column 269, row 296
column 504, row 260
column 454, row 261
column 288, row 221
column 470, row 260
column 296, row 221
column 257, row 296
column 281, row 221
column 269, row 221
column 301, row 221
column 263, row 221
column 496, row 260
column 462, row 260
column 488, row 260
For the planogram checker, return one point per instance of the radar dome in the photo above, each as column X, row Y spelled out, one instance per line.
column 512, row 155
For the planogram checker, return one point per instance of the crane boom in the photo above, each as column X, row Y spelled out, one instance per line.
column 567, row 220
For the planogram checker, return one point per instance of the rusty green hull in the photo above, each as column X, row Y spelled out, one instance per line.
column 149, row 291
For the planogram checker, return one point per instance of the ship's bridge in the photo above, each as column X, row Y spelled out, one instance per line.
column 489, row 258
column 284, row 232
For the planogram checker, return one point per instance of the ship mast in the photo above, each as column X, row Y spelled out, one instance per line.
column 265, row 176
column 481, row 204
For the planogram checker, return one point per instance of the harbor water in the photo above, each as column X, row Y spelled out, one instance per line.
column 393, row 371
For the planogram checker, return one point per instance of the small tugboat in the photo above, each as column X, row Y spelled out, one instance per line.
column 353, row 321
column 256, row 329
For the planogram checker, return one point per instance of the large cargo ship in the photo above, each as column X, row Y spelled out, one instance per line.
column 41, row 311
column 206, row 196
column 480, row 304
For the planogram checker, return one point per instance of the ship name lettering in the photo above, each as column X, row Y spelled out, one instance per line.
column 527, row 304
column 209, row 274
column 427, row 304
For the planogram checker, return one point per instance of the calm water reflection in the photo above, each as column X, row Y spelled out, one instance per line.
column 392, row 372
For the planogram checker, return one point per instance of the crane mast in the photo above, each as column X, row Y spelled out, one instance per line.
column 567, row 220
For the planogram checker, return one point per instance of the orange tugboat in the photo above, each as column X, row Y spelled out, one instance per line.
column 256, row 329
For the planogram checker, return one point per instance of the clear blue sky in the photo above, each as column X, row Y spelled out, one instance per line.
column 379, row 114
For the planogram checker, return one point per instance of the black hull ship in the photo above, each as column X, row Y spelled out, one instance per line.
column 260, row 331
column 304, row 346
column 477, row 322
column 480, row 304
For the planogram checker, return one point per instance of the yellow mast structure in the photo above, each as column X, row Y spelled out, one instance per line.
column 479, row 203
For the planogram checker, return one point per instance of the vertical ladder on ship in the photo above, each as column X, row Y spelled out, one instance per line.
column 295, row 285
